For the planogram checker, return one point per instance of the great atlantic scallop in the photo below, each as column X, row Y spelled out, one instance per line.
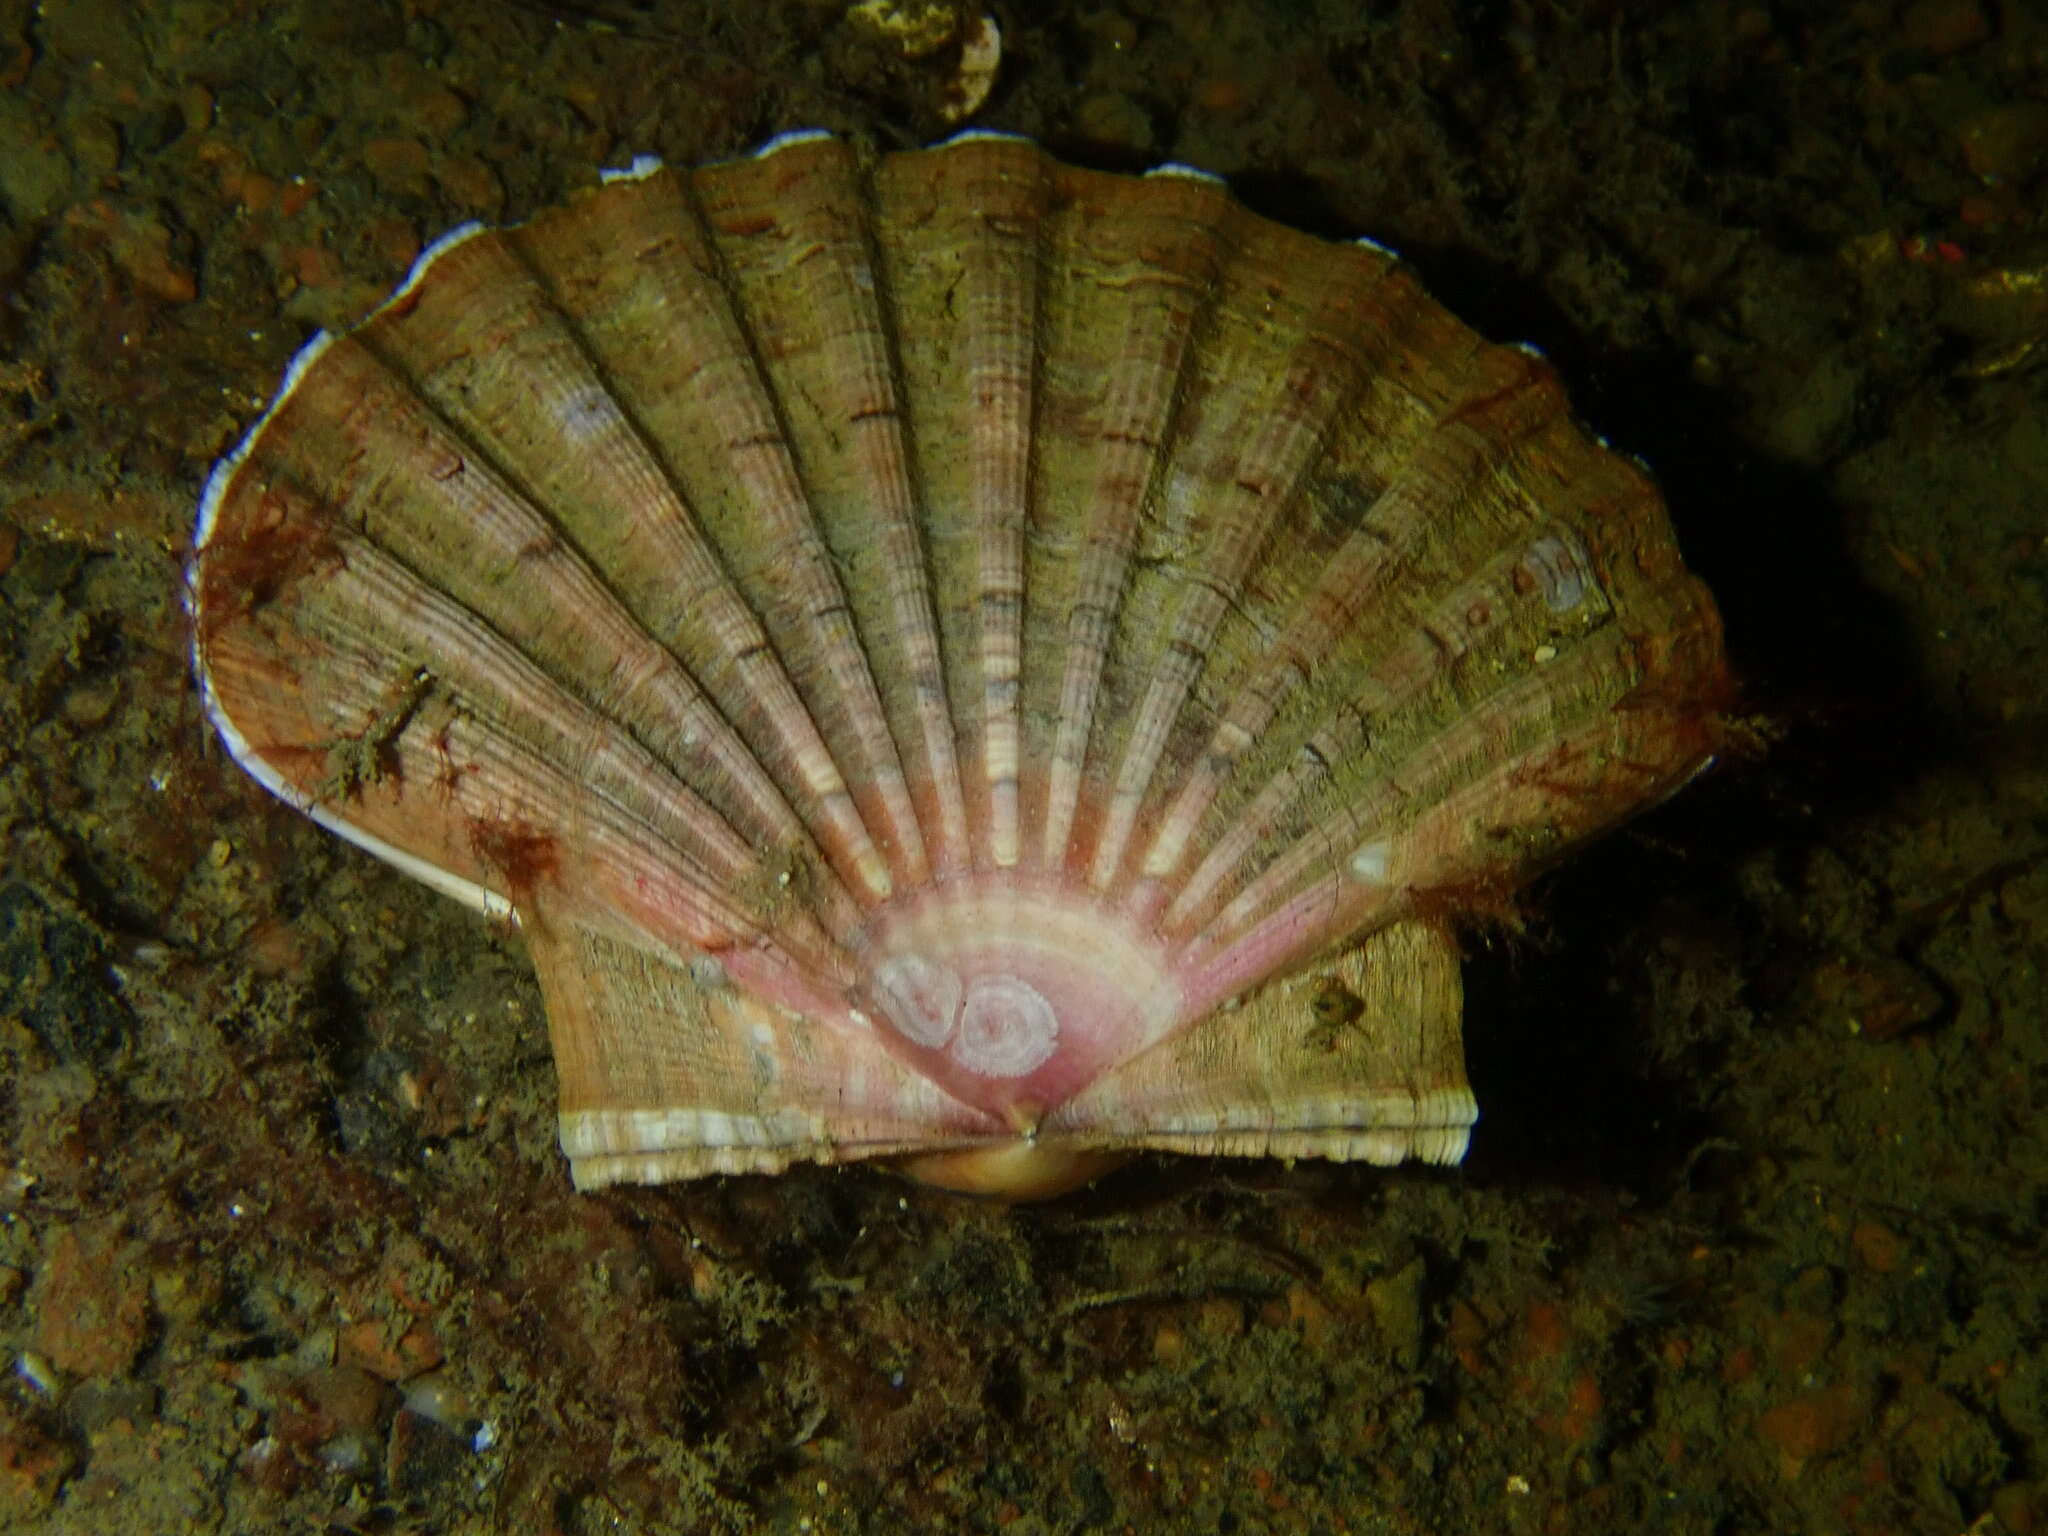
column 952, row 657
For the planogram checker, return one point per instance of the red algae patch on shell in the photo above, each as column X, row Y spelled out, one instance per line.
column 954, row 658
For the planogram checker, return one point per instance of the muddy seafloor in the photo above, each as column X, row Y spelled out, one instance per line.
column 1750, row 1237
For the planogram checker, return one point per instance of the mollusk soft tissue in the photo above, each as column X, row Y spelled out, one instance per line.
column 952, row 658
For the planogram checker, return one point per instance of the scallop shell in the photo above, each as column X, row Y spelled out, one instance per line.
column 952, row 657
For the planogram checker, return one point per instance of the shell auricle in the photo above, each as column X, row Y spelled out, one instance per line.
column 952, row 657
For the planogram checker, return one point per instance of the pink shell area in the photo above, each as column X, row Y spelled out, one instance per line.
column 931, row 649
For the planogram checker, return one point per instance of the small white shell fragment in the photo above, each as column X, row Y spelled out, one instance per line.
column 38, row 1373
column 918, row 27
column 435, row 1396
column 981, row 54
column 1371, row 863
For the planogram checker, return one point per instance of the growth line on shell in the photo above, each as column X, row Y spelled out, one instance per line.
column 1251, row 463
column 747, row 245
column 1147, row 383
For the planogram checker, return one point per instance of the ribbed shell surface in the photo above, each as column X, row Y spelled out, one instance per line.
column 951, row 651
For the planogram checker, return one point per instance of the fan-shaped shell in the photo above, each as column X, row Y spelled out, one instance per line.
column 953, row 657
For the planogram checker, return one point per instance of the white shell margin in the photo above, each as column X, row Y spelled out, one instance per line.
column 983, row 136
column 640, row 168
column 1173, row 169
column 794, row 136
column 239, row 748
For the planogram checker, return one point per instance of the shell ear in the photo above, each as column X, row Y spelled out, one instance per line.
column 669, row 1071
column 1358, row 1058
